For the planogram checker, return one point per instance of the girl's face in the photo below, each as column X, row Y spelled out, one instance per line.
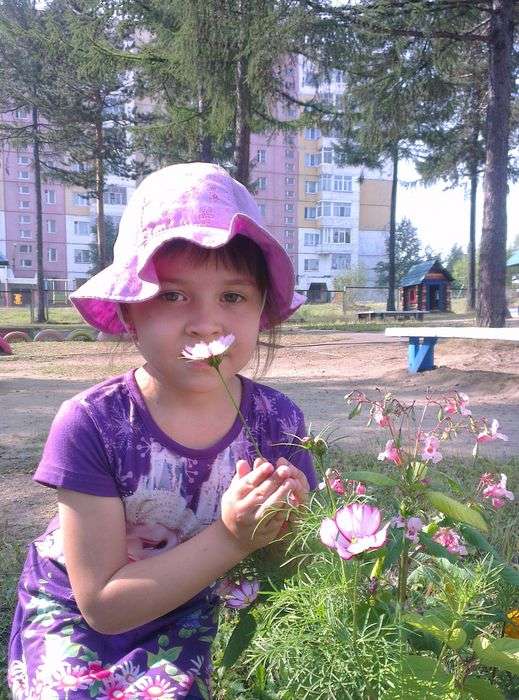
column 197, row 302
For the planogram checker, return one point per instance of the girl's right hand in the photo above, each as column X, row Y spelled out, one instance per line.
column 247, row 501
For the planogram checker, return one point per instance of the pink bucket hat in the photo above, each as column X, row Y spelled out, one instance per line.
column 200, row 203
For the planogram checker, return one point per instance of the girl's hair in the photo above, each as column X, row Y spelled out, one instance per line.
column 242, row 255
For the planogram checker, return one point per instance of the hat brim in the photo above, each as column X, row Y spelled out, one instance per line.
column 135, row 280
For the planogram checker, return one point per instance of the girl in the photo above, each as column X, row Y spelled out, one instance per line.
column 160, row 490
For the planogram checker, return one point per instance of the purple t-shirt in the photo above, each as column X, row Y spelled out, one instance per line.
column 105, row 442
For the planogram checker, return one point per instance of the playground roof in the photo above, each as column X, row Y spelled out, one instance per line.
column 417, row 273
column 513, row 259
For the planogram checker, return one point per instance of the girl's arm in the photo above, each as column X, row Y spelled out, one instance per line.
column 115, row 596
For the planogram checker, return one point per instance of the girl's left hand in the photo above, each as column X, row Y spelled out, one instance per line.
column 286, row 470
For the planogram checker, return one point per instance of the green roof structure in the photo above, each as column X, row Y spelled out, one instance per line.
column 417, row 273
column 513, row 259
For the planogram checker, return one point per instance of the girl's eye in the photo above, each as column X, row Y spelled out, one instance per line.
column 233, row 297
column 172, row 296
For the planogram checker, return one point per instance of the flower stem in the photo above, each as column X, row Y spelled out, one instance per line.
column 354, row 602
column 244, row 422
column 403, row 572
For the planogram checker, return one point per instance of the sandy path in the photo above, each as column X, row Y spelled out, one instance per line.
column 316, row 370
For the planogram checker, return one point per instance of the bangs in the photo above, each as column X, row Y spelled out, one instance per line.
column 239, row 255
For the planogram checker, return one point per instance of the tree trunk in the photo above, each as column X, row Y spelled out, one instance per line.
column 205, row 140
column 491, row 303
column 391, row 281
column 41, row 316
column 100, row 189
column 471, row 298
column 242, row 127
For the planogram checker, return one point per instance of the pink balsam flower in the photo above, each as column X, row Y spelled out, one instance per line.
column 498, row 492
column 450, row 539
column 354, row 529
column 413, row 526
column 360, row 489
column 212, row 352
column 457, row 404
column 239, row 595
column 380, row 418
column 391, row 453
column 430, row 451
column 489, row 435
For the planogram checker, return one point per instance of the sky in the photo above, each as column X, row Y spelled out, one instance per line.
column 442, row 216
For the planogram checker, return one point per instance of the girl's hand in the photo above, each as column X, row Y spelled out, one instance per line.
column 249, row 498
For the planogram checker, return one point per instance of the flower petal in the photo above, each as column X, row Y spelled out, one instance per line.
column 357, row 520
column 328, row 532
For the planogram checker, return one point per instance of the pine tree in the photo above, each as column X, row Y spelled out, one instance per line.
column 407, row 253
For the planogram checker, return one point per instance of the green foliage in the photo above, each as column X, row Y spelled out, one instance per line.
column 407, row 253
column 456, row 510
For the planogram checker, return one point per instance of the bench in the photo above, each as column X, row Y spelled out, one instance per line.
column 422, row 341
column 398, row 315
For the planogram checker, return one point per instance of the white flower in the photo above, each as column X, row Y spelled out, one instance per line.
column 204, row 351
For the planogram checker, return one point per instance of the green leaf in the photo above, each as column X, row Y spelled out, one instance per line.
column 481, row 689
column 499, row 653
column 355, row 411
column 508, row 573
column 434, row 625
column 240, row 638
column 436, row 549
column 421, row 679
column 163, row 641
column 394, row 546
column 456, row 510
column 372, row 478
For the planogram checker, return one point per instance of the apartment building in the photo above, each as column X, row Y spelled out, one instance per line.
column 329, row 216
column 68, row 221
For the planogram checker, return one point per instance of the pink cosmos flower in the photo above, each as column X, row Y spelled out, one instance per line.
column 430, row 450
column 391, row 453
column 498, row 492
column 487, row 435
column 209, row 351
column 450, row 539
column 458, row 403
column 239, row 595
column 380, row 418
column 354, row 529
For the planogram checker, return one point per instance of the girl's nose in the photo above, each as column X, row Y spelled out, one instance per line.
column 204, row 323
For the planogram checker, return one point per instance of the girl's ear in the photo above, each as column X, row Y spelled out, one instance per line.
column 125, row 316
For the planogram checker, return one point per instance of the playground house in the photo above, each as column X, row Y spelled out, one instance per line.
column 426, row 287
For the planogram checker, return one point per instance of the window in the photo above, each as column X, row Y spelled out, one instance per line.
column 289, row 207
column 311, row 186
column 289, row 234
column 52, row 254
column 82, row 228
column 50, row 196
column 289, row 246
column 24, row 219
column 336, row 235
column 310, row 212
column 312, row 134
column 289, row 167
column 342, row 210
column 23, row 189
column 289, row 219
column 289, row 153
column 24, row 204
column 327, row 155
column 261, row 156
column 342, row 183
column 326, row 183
column 290, row 139
column 25, row 248
column 311, row 264
column 23, row 160
column 115, row 195
column 80, row 200
column 324, row 209
column 289, row 193
column 25, row 233
column 341, row 261
column 82, row 256
column 310, row 78
column 291, row 111
column 23, row 174
column 290, row 181
column 51, row 225
column 312, row 160
column 338, row 76
column 263, row 209
column 25, row 262
column 312, row 238
column 22, row 113
column 261, row 183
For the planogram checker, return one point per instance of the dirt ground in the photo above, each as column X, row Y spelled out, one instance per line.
column 315, row 369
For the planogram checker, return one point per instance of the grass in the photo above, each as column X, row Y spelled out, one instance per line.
column 21, row 316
